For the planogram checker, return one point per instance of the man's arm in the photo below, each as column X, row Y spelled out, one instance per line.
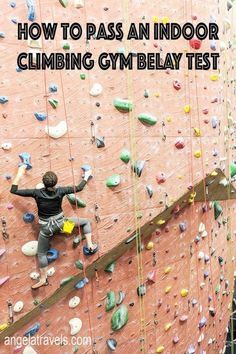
column 14, row 187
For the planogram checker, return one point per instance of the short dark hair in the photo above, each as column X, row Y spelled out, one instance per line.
column 49, row 179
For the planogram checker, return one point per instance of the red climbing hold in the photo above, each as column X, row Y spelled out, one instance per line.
column 195, row 43
column 177, row 85
column 179, row 143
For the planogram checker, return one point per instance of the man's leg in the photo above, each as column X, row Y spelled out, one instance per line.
column 87, row 230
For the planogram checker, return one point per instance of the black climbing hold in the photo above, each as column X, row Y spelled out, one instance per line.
column 141, row 290
column 217, row 210
column 112, row 344
column 100, row 142
column 138, row 167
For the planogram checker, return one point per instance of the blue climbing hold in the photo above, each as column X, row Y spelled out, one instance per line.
column 41, row 116
column 81, row 283
column 202, row 322
column 88, row 252
column 25, row 158
column 2, row 35
column 31, row 10
column 28, row 217
column 53, row 88
column 19, row 70
column 86, row 167
column 183, row 226
column 191, row 349
column 52, row 255
column 3, row 99
column 32, row 330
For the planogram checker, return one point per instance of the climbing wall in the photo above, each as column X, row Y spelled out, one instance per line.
column 192, row 135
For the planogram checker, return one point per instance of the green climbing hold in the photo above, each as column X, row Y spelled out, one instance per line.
column 75, row 349
column 66, row 280
column 75, row 200
column 79, row 264
column 119, row 318
column 82, row 76
column 233, row 170
column 147, row 119
column 64, row 3
column 123, row 105
column 217, row 209
column 217, row 289
column 53, row 102
column 113, row 181
column 141, row 290
column 66, row 46
column 36, row 302
column 228, row 238
column 110, row 301
column 125, row 156
column 110, row 267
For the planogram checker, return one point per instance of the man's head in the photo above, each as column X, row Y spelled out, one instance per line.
column 49, row 179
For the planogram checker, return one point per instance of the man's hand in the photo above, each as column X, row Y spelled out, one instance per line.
column 87, row 175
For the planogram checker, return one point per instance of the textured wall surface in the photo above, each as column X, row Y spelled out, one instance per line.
column 212, row 111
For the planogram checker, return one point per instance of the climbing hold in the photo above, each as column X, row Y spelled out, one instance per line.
column 125, row 155
column 229, row 5
column 167, row 270
column 221, row 260
column 160, row 222
column 57, row 131
column 75, row 200
column 4, row 280
column 206, row 274
column 183, row 226
column 184, row 292
column 18, row 307
column 201, row 255
column 160, row 349
column 26, row 160
column 81, row 283
column 52, row 255
column 6, row 146
column 168, row 326
column 232, row 170
column 79, row 264
column 141, row 290
column 191, row 349
column 82, row 76
column 146, row 93
column 53, row 88
column 149, row 190
column 66, row 45
column 217, row 209
column 150, row 245
column 217, row 288
column 31, row 10
column 212, row 311
column 197, row 132
column 113, row 181
column 100, row 142
column 40, row 116
column 29, row 350
column 110, row 301
column 183, row 318
column 28, row 217
column 110, row 267
column 123, row 105
column 179, row 143
column 161, row 178
column 224, row 182
column 112, row 344
column 32, row 330
column 198, row 154
column 2, row 35
column 3, row 326
column 30, row 248
column 34, row 275
column 175, row 339
column 63, row 3
column 195, row 43
column 51, row 271
column 66, row 280
column 151, row 276
column 214, row 77
column 119, row 318
column 121, row 297
column 214, row 122
column 168, row 289
column 200, row 339
column 202, row 322
column 187, row 108
column 53, row 102
column 96, row 90
column 213, row 45
column 138, row 167
column 2, row 251
column 177, row 85
column 74, row 301
column 75, row 326
column 147, row 119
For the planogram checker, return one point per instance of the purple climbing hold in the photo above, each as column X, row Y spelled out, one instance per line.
column 4, row 280
column 183, row 226
column 25, row 158
column 2, row 251
column 202, row 322
column 175, row 339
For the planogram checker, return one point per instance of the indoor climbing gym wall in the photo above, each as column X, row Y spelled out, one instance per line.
column 161, row 145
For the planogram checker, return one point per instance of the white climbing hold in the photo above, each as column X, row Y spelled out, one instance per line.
column 51, row 271
column 35, row 43
column 96, row 90
column 18, row 306
column 30, row 248
column 75, row 326
column 227, row 24
column 201, row 338
column 34, row 275
column 224, row 182
column 202, row 227
column 29, row 350
column 57, row 131
column 222, row 46
column 74, row 301
column 201, row 255
column 6, row 146
column 78, row 4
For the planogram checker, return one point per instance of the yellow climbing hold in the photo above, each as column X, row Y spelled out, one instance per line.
column 160, row 222
column 197, row 132
column 187, row 108
column 167, row 270
column 3, row 326
column 149, row 245
column 169, row 119
column 160, row 349
column 214, row 174
column 180, row 177
column 184, row 292
column 168, row 289
column 157, row 94
column 154, row 19
column 168, row 326
column 198, row 153
column 165, row 20
column 214, row 77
